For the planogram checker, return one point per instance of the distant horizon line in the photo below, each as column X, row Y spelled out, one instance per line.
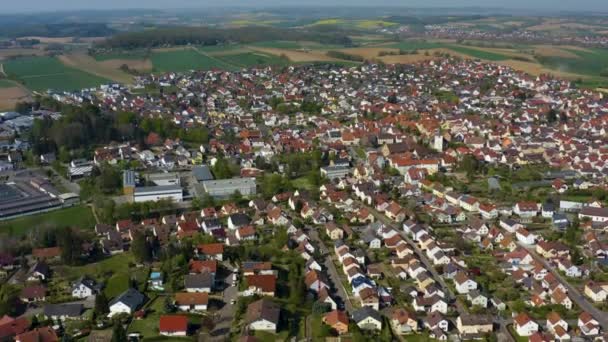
column 476, row 9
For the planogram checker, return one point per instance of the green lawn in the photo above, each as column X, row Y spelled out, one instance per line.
column 302, row 183
column 78, row 217
column 115, row 270
column 490, row 56
column 250, row 59
column 43, row 73
column 185, row 60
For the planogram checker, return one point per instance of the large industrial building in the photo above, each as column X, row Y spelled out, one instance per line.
column 166, row 187
column 156, row 193
column 227, row 187
column 32, row 196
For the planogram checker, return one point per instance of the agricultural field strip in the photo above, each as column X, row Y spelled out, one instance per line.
column 216, row 59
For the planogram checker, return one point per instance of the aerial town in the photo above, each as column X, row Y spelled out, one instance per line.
column 442, row 199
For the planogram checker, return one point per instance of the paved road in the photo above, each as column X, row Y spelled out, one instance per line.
column 333, row 273
column 225, row 316
column 573, row 292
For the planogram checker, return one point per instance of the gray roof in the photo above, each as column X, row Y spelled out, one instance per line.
column 197, row 281
column 158, row 189
column 365, row 312
column 131, row 298
column 68, row 309
column 229, row 183
column 239, row 219
column 88, row 282
column 202, row 173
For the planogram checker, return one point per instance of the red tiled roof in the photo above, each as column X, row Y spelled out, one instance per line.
column 211, row 248
column 173, row 323
column 264, row 282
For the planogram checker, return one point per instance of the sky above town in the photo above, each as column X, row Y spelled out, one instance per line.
column 61, row 5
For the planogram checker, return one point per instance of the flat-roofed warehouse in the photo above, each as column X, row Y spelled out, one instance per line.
column 20, row 199
column 155, row 193
column 227, row 187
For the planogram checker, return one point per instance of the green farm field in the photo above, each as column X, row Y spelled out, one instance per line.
column 250, row 59
column 128, row 55
column 184, row 60
column 42, row 73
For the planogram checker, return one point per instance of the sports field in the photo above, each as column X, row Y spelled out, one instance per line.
column 43, row 73
column 77, row 217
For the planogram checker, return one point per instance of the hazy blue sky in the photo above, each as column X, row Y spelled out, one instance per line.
column 54, row 5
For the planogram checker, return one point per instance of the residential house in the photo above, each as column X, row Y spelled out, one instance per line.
column 263, row 315
column 196, row 301
column 127, row 302
column 337, row 320
column 173, row 325
column 262, row 284
column 62, row 312
column 367, row 318
column 524, row 325
column 202, row 282
column 474, row 326
column 463, row 283
column 403, row 322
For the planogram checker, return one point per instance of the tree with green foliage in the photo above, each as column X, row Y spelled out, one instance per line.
column 101, row 305
column 9, row 299
column 71, row 246
column 119, row 334
column 140, row 248
column 552, row 116
column 222, row 169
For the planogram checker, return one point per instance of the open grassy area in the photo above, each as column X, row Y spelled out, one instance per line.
column 78, row 217
column 117, row 272
column 42, row 73
column 184, row 60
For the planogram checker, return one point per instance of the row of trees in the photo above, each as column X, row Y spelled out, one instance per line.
column 214, row 36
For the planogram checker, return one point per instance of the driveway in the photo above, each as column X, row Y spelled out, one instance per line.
column 225, row 316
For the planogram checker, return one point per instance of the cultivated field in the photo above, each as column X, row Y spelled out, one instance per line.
column 107, row 69
column 6, row 54
column 42, row 73
column 11, row 93
column 298, row 56
column 186, row 59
